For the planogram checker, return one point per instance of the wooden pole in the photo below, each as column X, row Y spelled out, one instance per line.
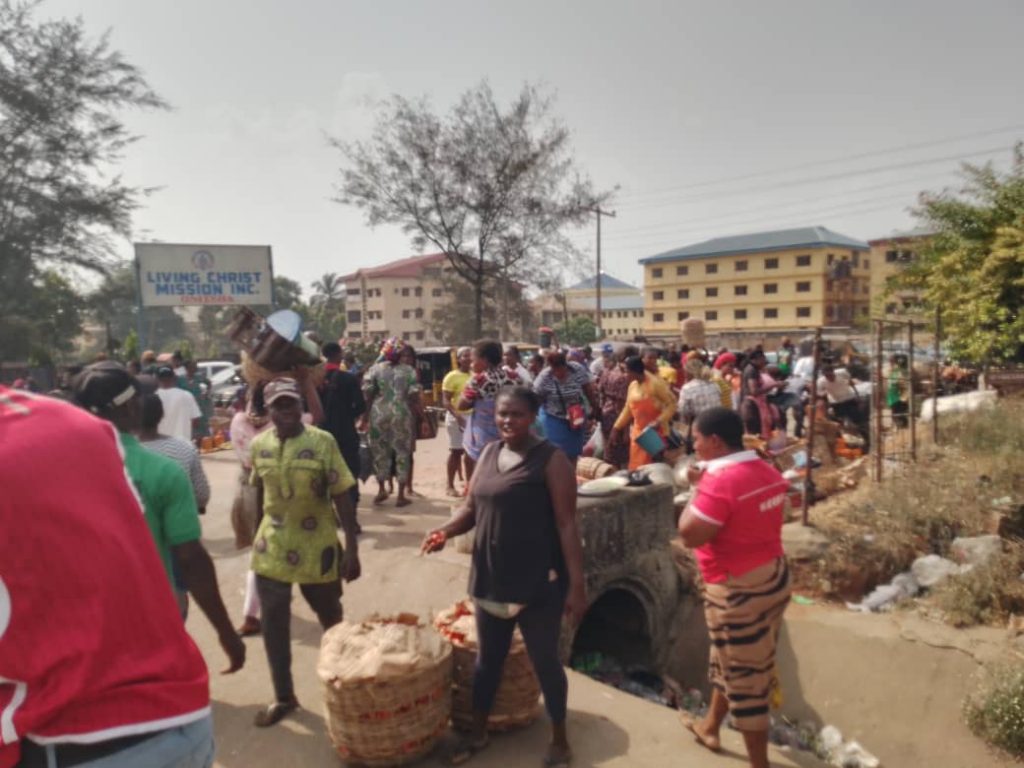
column 876, row 404
column 936, row 368
column 911, row 398
column 809, row 477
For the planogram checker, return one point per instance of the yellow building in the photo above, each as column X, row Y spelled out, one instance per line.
column 891, row 255
column 771, row 282
column 622, row 306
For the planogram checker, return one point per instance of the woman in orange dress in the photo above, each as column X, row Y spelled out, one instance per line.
column 649, row 401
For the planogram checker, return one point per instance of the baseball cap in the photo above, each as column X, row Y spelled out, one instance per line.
column 607, row 349
column 103, row 386
column 164, row 372
column 279, row 388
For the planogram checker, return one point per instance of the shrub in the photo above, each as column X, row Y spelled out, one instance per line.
column 996, row 712
column 986, row 594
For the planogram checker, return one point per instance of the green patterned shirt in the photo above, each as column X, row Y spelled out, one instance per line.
column 297, row 539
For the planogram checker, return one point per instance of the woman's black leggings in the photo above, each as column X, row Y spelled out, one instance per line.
column 540, row 622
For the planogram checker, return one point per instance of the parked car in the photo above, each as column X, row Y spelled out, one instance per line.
column 210, row 368
column 224, row 385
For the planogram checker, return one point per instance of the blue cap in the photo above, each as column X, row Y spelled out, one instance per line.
column 607, row 348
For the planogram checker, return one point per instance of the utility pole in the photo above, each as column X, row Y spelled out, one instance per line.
column 599, row 213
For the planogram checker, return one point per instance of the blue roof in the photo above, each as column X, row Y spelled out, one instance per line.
column 759, row 242
column 607, row 281
column 609, row 303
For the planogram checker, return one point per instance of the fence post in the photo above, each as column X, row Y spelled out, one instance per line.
column 911, row 398
column 876, row 404
column 935, row 377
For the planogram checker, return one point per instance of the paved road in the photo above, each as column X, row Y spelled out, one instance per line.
column 607, row 727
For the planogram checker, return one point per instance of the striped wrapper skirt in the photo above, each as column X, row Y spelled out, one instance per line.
column 744, row 616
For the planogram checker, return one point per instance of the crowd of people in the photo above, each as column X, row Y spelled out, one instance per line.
column 515, row 430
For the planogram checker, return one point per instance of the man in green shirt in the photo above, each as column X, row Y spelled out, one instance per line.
column 107, row 390
column 301, row 479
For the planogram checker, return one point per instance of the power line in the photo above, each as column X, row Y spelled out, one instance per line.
column 847, row 158
column 620, row 233
column 828, row 177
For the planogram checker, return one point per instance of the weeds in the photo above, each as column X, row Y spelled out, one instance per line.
column 986, row 595
column 996, row 712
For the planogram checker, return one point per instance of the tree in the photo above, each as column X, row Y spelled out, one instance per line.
column 491, row 188
column 507, row 312
column 60, row 94
column 972, row 267
column 113, row 305
column 327, row 306
column 48, row 334
column 578, row 331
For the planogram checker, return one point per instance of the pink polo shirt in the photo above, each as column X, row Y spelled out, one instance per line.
column 744, row 496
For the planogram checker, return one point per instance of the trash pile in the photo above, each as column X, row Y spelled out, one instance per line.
column 929, row 571
column 635, row 680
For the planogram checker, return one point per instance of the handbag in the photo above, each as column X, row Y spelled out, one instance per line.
column 426, row 429
column 574, row 413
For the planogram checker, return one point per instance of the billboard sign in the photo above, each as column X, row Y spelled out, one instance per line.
column 175, row 275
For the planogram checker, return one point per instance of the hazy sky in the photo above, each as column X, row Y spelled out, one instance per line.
column 714, row 117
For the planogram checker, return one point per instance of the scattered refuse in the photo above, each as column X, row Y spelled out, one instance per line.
column 902, row 586
column 976, row 550
column 801, row 600
column 843, row 754
column 931, row 570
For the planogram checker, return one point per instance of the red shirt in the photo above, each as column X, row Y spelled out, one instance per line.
column 744, row 496
column 92, row 646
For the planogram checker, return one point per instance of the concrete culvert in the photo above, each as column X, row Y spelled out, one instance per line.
column 616, row 628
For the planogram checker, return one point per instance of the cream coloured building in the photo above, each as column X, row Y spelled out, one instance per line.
column 622, row 306
column 890, row 256
column 772, row 282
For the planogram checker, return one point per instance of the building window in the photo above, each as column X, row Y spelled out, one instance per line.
column 829, row 286
column 405, row 291
column 771, row 287
column 352, row 291
column 803, row 286
column 867, row 263
column 682, row 271
column 682, row 315
column 656, row 272
column 855, row 258
column 659, row 317
column 906, row 256
column 406, row 335
column 659, row 295
column 739, row 314
column 417, row 291
column 831, row 258
column 711, row 314
column 892, row 257
column 803, row 261
column 406, row 314
column 683, row 293
column 436, row 292
column 741, row 266
column 830, row 311
column 770, row 313
column 355, row 316
column 803, row 311
column 711, row 292
column 419, row 335
column 710, row 269
column 739, row 290
column 772, row 263
column 419, row 314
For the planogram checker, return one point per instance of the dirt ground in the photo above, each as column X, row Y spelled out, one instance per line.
column 894, row 687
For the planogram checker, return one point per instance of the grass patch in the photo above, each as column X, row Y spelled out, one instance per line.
column 996, row 712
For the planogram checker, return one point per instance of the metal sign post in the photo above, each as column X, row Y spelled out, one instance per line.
column 811, row 431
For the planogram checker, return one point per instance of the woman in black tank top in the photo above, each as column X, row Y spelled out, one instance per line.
column 527, row 563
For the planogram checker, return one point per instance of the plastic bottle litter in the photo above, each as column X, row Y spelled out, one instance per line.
column 901, row 587
column 931, row 570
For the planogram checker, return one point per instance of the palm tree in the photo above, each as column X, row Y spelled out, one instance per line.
column 328, row 302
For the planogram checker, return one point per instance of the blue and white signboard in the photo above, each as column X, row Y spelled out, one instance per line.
column 175, row 274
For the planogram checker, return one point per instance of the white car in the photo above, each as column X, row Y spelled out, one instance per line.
column 210, row 368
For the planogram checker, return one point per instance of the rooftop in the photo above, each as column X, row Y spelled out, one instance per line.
column 610, row 303
column 409, row 267
column 607, row 281
column 759, row 242
column 903, row 236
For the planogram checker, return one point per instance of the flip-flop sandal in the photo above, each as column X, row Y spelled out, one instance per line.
column 689, row 723
column 465, row 748
column 274, row 713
